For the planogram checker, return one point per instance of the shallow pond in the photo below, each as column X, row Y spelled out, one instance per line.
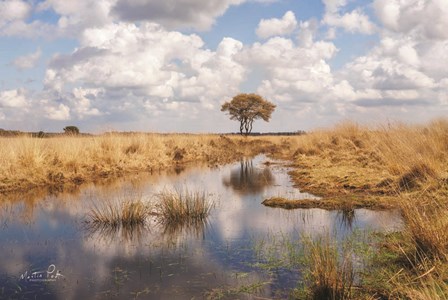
column 48, row 252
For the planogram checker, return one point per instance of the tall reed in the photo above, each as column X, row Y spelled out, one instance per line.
column 426, row 224
column 330, row 272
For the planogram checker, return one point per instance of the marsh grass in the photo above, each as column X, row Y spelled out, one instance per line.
column 350, row 158
column 330, row 271
column 277, row 251
column 396, row 268
column 181, row 206
column 328, row 268
column 404, row 166
column 336, row 203
column 126, row 214
column 426, row 278
column 426, row 225
column 431, row 289
column 27, row 162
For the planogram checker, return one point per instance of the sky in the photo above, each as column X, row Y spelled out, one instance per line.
column 168, row 66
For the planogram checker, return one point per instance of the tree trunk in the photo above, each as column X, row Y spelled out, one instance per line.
column 250, row 125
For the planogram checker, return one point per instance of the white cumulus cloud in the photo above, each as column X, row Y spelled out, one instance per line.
column 148, row 66
column 277, row 27
column 59, row 112
column 354, row 21
column 13, row 99
column 427, row 18
column 295, row 75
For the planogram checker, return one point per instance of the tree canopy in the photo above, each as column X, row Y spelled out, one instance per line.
column 71, row 130
column 246, row 108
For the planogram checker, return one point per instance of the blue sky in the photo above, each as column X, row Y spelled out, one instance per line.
column 168, row 66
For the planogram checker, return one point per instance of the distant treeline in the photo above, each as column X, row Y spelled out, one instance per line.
column 41, row 134
column 299, row 132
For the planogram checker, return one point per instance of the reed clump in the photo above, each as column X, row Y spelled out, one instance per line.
column 126, row 214
column 430, row 289
column 426, row 224
column 183, row 206
column 420, row 277
column 330, row 273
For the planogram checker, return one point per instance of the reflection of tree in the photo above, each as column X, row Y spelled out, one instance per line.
column 248, row 180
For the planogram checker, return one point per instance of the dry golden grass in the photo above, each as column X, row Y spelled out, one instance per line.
column 426, row 222
column 424, row 278
column 431, row 289
column 341, row 203
column 351, row 158
column 27, row 162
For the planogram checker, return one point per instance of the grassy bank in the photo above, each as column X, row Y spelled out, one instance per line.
column 338, row 203
column 351, row 159
column 27, row 162
column 399, row 166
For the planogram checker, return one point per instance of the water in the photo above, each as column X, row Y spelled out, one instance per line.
column 47, row 234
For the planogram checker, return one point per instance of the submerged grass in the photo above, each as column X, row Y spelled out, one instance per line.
column 326, row 264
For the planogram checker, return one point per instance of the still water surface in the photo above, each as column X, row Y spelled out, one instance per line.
column 47, row 233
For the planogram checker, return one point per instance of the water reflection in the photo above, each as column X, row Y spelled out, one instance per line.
column 347, row 217
column 158, row 260
column 249, row 180
column 193, row 228
column 107, row 234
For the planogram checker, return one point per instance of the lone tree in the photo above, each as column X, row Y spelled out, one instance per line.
column 246, row 108
column 71, row 130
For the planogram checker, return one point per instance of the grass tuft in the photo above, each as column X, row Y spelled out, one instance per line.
column 183, row 206
column 426, row 225
column 418, row 174
column 128, row 213
column 331, row 273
